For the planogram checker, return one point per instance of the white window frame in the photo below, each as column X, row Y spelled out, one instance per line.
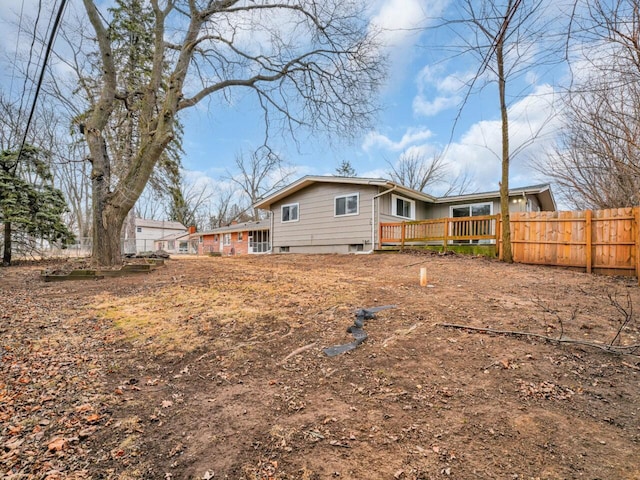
column 289, row 205
column 138, row 229
column 394, row 207
column 226, row 239
column 451, row 207
column 240, row 236
column 335, row 205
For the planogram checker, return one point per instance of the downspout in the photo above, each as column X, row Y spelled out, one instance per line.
column 270, row 230
column 373, row 216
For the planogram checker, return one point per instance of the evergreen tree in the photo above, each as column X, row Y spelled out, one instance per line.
column 29, row 204
column 345, row 170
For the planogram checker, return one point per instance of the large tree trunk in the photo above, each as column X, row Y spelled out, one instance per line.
column 6, row 254
column 111, row 207
column 107, row 248
column 507, row 254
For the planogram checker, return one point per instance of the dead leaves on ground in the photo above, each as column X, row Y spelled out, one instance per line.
column 49, row 397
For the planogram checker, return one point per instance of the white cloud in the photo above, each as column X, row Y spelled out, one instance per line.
column 477, row 152
column 411, row 136
column 401, row 25
column 532, row 124
column 429, row 108
column 438, row 91
column 402, row 21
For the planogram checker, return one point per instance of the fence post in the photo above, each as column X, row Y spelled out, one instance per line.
column 589, row 237
column 636, row 239
column 499, row 235
column 402, row 234
column 446, row 234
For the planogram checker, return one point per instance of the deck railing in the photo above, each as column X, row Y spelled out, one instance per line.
column 441, row 231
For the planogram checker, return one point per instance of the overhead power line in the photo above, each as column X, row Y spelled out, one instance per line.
column 15, row 57
column 52, row 38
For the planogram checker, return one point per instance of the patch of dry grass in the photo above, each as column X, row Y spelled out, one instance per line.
column 185, row 315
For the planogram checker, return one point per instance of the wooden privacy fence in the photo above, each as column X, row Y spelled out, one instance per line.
column 602, row 241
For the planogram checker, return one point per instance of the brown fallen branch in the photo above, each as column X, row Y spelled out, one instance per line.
column 297, row 351
column 617, row 349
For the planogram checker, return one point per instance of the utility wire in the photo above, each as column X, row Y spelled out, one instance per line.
column 33, row 41
column 52, row 38
column 15, row 57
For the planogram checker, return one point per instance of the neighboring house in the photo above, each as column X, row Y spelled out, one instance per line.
column 235, row 239
column 318, row 214
column 148, row 231
column 177, row 242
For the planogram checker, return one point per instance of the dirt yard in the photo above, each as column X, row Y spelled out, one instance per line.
column 213, row 368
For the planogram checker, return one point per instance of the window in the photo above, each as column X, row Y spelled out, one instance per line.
column 473, row 210
column 138, row 229
column 290, row 213
column 171, row 245
column 259, row 241
column 346, row 205
column 239, row 236
column 226, row 239
column 403, row 207
column 200, row 239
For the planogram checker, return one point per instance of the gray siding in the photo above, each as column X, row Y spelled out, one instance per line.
column 516, row 204
column 318, row 230
column 386, row 208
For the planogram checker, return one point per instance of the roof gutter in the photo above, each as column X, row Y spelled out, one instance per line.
column 373, row 216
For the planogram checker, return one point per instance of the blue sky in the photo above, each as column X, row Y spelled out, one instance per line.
column 420, row 103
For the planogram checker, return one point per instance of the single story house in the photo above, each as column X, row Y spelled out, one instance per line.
column 177, row 243
column 148, row 231
column 328, row 214
column 235, row 239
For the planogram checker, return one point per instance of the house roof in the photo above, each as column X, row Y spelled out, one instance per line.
column 238, row 227
column 542, row 191
column 308, row 180
column 162, row 224
column 173, row 236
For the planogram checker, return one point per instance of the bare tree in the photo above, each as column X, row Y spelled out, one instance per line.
column 308, row 62
column 597, row 159
column 151, row 204
column 258, row 174
column 507, row 37
column 220, row 212
column 460, row 184
column 415, row 171
column 188, row 201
